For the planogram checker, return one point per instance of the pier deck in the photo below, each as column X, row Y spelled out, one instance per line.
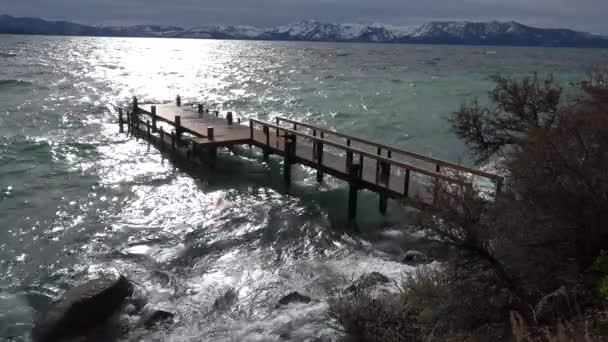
column 390, row 171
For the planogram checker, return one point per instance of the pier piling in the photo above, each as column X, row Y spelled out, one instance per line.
column 353, row 190
column 178, row 129
column 120, row 122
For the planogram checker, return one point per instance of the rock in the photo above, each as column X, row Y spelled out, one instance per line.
column 82, row 309
column 226, row 301
column 553, row 307
column 368, row 280
column 413, row 257
column 151, row 317
column 294, row 297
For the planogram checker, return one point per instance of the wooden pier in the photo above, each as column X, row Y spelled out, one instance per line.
column 194, row 131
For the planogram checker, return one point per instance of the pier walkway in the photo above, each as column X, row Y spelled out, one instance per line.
column 194, row 131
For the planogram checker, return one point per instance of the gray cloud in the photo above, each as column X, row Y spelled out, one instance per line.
column 578, row 14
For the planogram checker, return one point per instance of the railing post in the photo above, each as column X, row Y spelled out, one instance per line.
column 120, row 122
column 178, row 128
column 229, row 118
column 135, row 104
column 148, row 128
column 438, row 168
column 278, row 124
column 210, row 133
column 153, row 111
column 178, row 101
column 406, row 184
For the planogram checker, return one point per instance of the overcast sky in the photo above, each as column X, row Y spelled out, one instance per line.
column 589, row 15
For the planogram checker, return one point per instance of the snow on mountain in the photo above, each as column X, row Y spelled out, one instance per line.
column 448, row 32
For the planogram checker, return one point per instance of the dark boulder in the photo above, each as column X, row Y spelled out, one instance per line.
column 414, row 258
column 368, row 280
column 82, row 309
column 152, row 317
column 554, row 306
column 294, row 297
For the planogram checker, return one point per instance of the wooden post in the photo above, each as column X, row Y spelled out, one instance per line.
column 438, row 168
column 120, row 122
column 229, row 118
column 383, row 203
column 178, row 101
column 136, row 132
column 349, row 160
column 385, row 173
column 266, row 131
column 135, row 104
column 406, row 184
column 153, row 111
column 178, row 129
column 354, row 175
column 148, row 128
column 320, row 159
column 162, row 139
column 290, row 149
column 348, row 142
column 129, row 122
column 278, row 124
column 210, row 133
column 173, row 142
column 499, row 183
column 250, row 131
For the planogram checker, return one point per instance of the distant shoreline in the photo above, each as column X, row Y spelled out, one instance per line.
column 312, row 41
column 493, row 33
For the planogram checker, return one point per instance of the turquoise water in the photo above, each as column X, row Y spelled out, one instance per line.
column 76, row 198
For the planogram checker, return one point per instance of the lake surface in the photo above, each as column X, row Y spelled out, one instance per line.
column 77, row 198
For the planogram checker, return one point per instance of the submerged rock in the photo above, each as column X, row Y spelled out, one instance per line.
column 151, row 317
column 368, row 280
column 294, row 297
column 82, row 309
column 413, row 257
column 226, row 301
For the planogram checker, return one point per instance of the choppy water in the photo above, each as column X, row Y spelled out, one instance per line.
column 76, row 198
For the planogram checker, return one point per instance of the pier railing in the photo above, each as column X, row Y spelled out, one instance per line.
column 384, row 165
column 391, row 151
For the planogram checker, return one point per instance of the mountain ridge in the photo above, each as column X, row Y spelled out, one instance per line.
column 508, row 33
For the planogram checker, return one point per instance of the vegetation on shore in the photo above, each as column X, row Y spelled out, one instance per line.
column 529, row 266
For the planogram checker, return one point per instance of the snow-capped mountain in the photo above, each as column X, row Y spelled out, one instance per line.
column 474, row 33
